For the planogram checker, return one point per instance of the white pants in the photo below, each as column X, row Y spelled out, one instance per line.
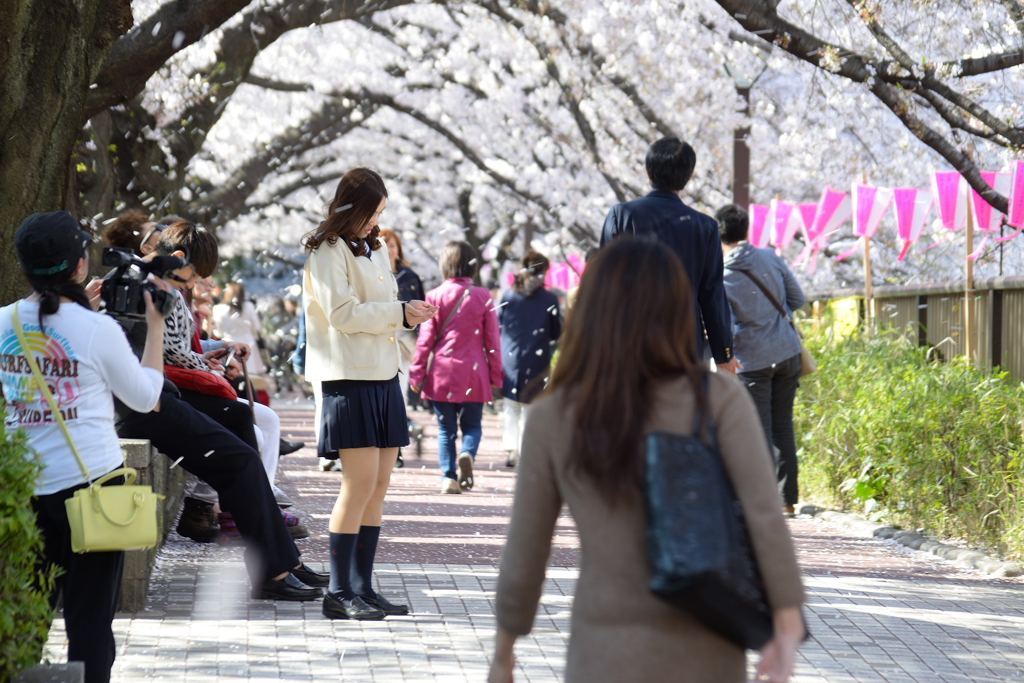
column 268, row 438
column 513, row 416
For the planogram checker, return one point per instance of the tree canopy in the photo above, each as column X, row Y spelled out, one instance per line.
column 492, row 118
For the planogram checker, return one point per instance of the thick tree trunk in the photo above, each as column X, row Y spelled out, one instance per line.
column 50, row 52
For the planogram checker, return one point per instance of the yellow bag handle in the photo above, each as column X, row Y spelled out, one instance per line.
column 138, row 497
column 45, row 389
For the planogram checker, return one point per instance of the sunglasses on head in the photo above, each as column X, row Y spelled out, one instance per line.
column 155, row 230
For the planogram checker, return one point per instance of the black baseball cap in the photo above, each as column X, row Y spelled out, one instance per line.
column 49, row 243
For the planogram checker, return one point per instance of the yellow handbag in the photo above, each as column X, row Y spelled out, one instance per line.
column 102, row 518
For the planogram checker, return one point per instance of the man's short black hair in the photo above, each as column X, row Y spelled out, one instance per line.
column 733, row 223
column 670, row 163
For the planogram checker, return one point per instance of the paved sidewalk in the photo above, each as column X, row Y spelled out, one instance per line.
column 877, row 611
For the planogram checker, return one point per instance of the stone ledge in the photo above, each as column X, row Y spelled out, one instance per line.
column 915, row 541
column 70, row 672
column 154, row 470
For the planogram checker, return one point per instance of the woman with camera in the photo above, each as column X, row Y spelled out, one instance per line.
column 353, row 316
column 84, row 357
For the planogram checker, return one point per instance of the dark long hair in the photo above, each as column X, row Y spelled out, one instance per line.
column 359, row 193
column 632, row 327
column 234, row 296
column 52, row 287
column 532, row 264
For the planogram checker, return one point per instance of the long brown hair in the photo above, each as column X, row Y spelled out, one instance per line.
column 632, row 326
column 387, row 235
column 359, row 193
column 533, row 264
column 234, row 296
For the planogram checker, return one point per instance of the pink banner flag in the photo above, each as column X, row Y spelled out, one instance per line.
column 577, row 263
column 950, row 190
column 985, row 217
column 783, row 222
column 1015, row 218
column 831, row 211
column 758, row 236
column 869, row 204
column 561, row 276
column 807, row 214
column 911, row 207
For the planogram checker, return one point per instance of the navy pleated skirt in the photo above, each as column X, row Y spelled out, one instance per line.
column 361, row 414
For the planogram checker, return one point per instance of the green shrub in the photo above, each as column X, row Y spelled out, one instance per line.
column 885, row 429
column 25, row 613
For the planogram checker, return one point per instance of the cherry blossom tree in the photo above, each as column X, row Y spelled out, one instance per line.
column 501, row 122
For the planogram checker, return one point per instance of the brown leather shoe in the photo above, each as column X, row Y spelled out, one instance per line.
column 198, row 521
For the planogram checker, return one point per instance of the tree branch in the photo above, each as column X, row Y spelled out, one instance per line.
column 759, row 17
column 136, row 56
column 548, row 55
column 928, row 80
column 227, row 200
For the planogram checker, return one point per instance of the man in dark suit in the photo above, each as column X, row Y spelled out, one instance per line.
column 691, row 234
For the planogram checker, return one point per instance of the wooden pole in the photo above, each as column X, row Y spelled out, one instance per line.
column 970, row 346
column 868, row 302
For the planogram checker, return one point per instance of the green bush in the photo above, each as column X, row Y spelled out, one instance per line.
column 885, row 429
column 25, row 613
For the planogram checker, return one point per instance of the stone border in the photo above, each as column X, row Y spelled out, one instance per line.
column 915, row 541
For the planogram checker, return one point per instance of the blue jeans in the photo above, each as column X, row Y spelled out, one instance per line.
column 451, row 416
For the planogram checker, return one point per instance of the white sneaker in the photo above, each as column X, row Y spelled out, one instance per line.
column 450, row 486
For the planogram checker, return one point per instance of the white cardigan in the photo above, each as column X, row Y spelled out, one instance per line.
column 352, row 315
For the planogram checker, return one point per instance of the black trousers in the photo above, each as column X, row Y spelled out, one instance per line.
column 233, row 415
column 774, row 390
column 91, row 584
column 232, row 468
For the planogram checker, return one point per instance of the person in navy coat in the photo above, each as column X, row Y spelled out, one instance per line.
column 530, row 324
column 692, row 235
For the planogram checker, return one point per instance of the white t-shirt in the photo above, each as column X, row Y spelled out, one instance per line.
column 84, row 356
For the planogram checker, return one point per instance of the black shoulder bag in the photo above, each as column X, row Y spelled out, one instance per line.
column 698, row 546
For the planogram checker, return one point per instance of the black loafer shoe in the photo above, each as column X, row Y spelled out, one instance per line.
column 289, row 447
column 288, row 588
column 310, row 577
column 383, row 604
column 356, row 608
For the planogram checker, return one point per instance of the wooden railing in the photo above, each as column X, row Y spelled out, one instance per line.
column 934, row 316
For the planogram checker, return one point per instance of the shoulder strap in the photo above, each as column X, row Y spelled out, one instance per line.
column 44, row 388
column 702, row 422
column 771, row 297
column 440, row 332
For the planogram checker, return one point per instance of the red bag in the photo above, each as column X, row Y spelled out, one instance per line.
column 201, row 382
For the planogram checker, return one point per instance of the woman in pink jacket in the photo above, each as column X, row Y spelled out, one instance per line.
column 466, row 361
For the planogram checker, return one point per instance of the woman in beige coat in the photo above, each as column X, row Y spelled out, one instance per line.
column 628, row 366
column 352, row 318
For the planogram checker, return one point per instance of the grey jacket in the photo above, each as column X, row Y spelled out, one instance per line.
column 761, row 336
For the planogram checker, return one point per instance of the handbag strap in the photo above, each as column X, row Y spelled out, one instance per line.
column 699, row 418
column 44, row 388
column 440, row 333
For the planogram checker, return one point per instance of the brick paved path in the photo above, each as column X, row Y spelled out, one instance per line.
column 877, row 611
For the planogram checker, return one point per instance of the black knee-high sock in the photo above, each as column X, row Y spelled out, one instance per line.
column 362, row 561
column 343, row 548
